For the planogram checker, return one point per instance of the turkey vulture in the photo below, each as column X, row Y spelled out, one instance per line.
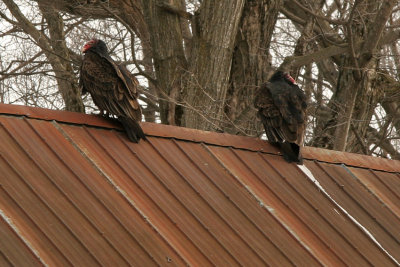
column 112, row 87
column 281, row 107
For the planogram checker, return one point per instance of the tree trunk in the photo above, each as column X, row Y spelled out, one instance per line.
column 66, row 79
column 366, row 22
column 366, row 102
column 168, row 55
column 206, row 83
column 251, row 65
column 362, row 61
column 344, row 103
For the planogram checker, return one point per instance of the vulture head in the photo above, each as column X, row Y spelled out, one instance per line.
column 289, row 78
column 280, row 75
column 95, row 45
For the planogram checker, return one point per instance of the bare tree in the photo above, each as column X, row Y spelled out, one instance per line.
column 200, row 62
column 55, row 49
column 352, row 43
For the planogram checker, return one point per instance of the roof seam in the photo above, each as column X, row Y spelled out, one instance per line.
column 350, row 165
column 174, row 197
column 387, row 187
column 34, row 193
column 272, row 153
column 7, row 258
column 109, row 242
column 311, row 207
column 115, row 127
column 21, row 237
column 32, row 220
column 138, row 210
column 200, row 221
column 337, row 205
column 316, row 210
column 238, row 180
column 223, row 193
column 274, row 216
column 361, row 227
column 295, row 214
column 115, row 187
column 54, row 123
column 60, row 121
column 375, row 196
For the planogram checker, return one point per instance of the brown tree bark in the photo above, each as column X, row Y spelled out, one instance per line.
column 168, row 55
column 251, row 65
column 364, row 65
column 206, row 82
column 66, row 79
column 362, row 109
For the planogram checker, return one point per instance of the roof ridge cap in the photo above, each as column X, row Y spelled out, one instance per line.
column 200, row 136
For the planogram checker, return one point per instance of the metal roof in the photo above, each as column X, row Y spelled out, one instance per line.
column 75, row 191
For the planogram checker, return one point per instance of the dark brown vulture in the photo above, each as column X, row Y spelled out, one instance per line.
column 112, row 87
column 281, row 107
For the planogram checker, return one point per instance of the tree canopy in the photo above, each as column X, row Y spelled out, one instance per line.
column 199, row 62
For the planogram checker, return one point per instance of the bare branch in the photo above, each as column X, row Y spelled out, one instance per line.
column 324, row 53
column 333, row 21
column 374, row 34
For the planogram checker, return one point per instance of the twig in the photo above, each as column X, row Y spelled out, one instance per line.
column 333, row 21
column 351, row 42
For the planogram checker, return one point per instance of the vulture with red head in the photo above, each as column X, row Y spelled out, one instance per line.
column 112, row 87
column 281, row 107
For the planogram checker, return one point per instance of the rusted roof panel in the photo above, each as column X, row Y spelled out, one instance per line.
column 75, row 191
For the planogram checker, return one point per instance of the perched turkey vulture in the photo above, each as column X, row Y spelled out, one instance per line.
column 281, row 107
column 112, row 87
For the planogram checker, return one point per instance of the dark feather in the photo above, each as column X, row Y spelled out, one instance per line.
column 132, row 129
column 112, row 87
column 281, row 107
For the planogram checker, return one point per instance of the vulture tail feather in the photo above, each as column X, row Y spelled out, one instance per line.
column 291, row 152
column 132, row 129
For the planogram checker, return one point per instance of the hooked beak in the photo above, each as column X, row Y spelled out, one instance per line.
column 85, row 48
column 290, row 78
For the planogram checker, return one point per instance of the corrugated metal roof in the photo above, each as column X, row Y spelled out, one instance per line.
column 75, row 191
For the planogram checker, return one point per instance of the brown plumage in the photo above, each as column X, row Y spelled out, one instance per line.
column 112, row 87
column 281, row 107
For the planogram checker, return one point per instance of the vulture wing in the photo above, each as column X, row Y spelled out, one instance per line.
column 281, row 107
column 113, row 90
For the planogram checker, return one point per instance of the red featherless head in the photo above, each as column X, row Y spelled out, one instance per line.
column 290, row 78
column 89, row 44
